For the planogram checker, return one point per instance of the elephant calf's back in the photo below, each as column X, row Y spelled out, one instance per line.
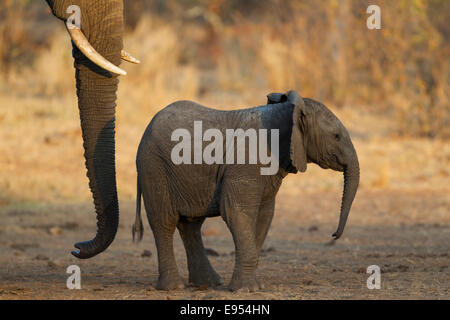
column 188, row 188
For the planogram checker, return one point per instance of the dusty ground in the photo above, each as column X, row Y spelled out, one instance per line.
column 407, row 234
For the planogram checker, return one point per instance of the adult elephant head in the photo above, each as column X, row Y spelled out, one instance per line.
column 97, row 50
column 319, row 137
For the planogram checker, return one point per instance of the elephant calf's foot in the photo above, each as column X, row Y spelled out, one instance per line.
column 169, row 282
column 205, row 277
column 247, row 283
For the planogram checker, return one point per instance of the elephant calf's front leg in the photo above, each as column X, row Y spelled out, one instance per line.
column 242, row 226
column 263, row 222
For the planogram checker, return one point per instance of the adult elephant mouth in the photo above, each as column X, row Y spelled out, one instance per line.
column 79, row 39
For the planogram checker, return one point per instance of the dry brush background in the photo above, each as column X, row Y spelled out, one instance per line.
column 390, row 88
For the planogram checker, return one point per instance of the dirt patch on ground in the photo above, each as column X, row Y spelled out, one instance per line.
column 407, row 234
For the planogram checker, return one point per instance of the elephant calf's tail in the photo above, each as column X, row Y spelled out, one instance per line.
column 138, row 230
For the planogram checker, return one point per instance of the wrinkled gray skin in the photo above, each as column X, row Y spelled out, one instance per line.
column 102, row 24
column 182, row 196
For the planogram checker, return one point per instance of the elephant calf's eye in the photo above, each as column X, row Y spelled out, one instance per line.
column 337, row 136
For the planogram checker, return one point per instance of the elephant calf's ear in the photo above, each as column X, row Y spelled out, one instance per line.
column 273, row 98
column 298, row 141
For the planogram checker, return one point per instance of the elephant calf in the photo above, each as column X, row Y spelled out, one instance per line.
column 183, row 183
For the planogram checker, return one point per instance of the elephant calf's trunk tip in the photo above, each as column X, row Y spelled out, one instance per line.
column 337, row 234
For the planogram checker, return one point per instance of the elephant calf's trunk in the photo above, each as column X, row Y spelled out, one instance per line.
column 351, row 182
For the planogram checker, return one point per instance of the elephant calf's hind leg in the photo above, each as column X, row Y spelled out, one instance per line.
column 201, row 272
column 169, row 278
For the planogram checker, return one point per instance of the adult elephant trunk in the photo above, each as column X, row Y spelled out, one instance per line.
column 96, row 90
column 351, row 182
column 100, row 36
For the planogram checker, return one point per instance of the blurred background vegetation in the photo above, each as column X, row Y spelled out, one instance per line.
column 322, row 49
column 391, row 83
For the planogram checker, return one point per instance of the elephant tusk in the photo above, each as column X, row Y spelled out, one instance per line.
column 129, row 58
column 79, row 39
